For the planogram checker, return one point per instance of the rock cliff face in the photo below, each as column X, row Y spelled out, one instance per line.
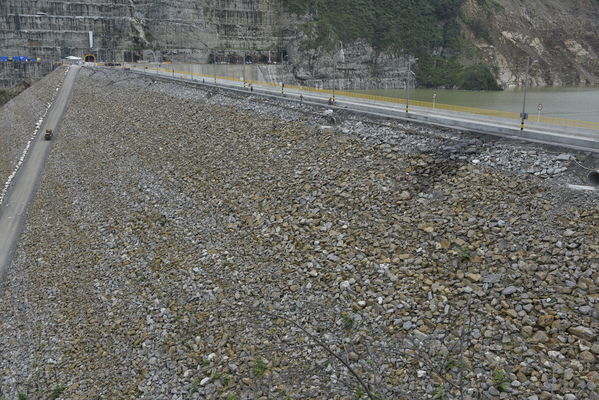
column 562, row 38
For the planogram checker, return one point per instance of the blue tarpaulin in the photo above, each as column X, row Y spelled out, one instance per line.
column 19, row 59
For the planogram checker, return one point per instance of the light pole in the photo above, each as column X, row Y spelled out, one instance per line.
column 334, row 78
column 408, row 87
column 410, row 73
column 214, row 50
column 523, row 115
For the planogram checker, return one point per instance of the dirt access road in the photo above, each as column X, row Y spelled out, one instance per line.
column 13, row 210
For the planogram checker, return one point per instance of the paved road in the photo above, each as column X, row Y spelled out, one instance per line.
column 576, row 138
column 13, row 210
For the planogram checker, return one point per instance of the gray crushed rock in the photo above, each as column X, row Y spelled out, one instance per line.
column 193, row 244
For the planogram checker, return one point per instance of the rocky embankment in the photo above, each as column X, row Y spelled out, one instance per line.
column 18, row 119
column 186, row 244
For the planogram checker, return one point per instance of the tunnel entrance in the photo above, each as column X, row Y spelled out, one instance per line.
column 90, row 58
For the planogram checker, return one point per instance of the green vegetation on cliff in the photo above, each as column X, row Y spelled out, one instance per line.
column 399, row 25
column 426, row 29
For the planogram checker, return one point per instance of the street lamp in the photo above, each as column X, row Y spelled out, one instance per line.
column 523, row 114
column 334, row 78
column 410, row 74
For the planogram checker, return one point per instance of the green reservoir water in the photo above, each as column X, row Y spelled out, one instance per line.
column 572, row 103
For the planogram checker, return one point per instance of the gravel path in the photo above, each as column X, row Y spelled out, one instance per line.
column 18, row 119
column 187, row 244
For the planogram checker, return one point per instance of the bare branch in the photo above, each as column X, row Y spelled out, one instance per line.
column 323, row 345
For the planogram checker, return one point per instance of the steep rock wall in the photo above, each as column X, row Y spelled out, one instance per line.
column 560, row 37
column 355, row 65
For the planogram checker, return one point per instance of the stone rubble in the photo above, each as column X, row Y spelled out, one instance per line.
column 187, row 243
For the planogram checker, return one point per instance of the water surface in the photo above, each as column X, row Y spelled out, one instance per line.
column 572, row 103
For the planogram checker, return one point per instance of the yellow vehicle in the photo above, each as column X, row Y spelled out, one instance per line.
column 48, row 134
